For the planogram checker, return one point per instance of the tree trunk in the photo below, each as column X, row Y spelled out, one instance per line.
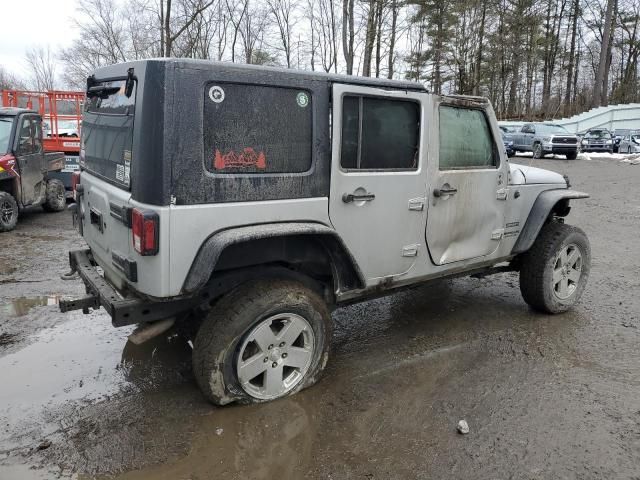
column 370, row 37
column 167, row 30
column 392, row 40
column 572, row 55
column 478, row 70
column 604, row 50
column 605, row 80
column 348, row 34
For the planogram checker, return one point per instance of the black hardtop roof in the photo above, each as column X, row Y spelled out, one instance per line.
column 14, row 111
column 271, row 72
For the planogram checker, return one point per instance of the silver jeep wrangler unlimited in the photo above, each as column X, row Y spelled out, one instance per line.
column 245, row 203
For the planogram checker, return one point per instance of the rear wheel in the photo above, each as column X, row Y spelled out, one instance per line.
column 55, row 196
column 555, row 270
column 8, row 212
column 264, row 340
column 537, row 151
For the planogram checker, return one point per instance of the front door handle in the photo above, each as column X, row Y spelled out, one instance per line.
column 444, row 190
column 352, row 197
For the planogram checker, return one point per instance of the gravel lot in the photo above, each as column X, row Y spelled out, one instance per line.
column 544, row 396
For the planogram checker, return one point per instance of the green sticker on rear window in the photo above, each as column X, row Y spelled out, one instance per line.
column 302, row 99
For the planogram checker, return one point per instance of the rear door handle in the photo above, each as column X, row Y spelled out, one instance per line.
column 351, row 197
column 444, row 190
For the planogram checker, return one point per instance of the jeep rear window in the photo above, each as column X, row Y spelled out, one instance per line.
column 107, row 133
column 257, row 129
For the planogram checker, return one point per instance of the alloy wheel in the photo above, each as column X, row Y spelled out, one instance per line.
column 567, row 270
column 275, row 356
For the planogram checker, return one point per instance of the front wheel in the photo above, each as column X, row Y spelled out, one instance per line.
column 572, row 155
column 262, row 341
column 8, row 212
column 537, row 151
column 555, row 270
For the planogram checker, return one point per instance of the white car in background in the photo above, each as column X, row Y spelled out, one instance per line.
column 630, row 143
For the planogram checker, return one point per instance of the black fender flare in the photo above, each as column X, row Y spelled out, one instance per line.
column 544, row 206
column 209, row 253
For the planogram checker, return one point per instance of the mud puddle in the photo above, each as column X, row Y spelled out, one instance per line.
column 20, row 306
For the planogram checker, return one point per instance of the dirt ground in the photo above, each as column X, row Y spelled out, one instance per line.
column 544, row 396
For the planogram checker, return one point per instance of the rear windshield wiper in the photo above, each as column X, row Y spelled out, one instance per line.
column 101, row 91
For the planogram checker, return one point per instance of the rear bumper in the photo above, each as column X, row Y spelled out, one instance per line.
column 123, row 310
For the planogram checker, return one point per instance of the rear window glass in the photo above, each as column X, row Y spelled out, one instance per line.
column 113, row 101
column 107, row 133
column 257, row 129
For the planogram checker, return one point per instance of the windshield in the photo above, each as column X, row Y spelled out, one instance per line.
column 550, row 129
column 5, row 133
column 598, row 134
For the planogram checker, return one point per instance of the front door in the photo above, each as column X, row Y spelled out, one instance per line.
column 378, row 188
column 468, row 191
column 29, row 156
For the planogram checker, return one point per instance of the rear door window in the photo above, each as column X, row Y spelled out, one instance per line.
column 107, row 132
column 465, row 139
column 379, row 133
column 255, row 129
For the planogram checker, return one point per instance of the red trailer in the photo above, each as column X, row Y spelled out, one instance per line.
column 61, row 113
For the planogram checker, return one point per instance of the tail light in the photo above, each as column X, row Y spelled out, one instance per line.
column 75, row 180
column 144, row 229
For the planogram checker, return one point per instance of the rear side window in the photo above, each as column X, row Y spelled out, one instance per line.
column 379, row 134
column 257, row 129
column 465, row 139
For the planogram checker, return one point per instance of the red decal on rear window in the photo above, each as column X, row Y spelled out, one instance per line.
column 246, row 159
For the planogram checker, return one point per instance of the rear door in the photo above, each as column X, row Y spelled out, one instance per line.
column 377, row 199
column 468, row 190
column 29, row 155
column 106, row 157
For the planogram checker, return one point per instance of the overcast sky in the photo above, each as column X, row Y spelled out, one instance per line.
column 28, row 23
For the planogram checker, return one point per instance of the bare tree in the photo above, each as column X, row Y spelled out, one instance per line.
column 348, row 34
column 10, row 81
column 282, row 12
column 42, row 67
column 174, row 27
column 599, row 89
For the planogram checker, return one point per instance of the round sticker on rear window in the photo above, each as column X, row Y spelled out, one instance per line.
column 302, row 99
column 216, row 94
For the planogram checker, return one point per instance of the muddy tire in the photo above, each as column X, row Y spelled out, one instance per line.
column 572, row 155
column 555, row 270
column 537, row 151
column 8, row 212
column 262, row 341
column 56, row 199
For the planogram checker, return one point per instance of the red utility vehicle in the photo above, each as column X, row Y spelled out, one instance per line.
column 61, row 113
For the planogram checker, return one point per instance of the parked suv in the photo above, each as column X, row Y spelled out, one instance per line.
column 545, row 138
column 598, row 140
column 245, row 203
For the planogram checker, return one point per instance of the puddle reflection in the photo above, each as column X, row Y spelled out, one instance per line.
column 20, row 306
